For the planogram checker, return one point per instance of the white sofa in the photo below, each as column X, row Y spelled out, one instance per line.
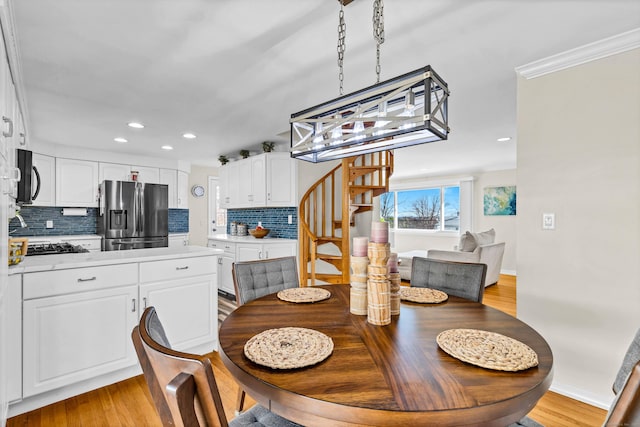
column 490, row 254
column 473, row 247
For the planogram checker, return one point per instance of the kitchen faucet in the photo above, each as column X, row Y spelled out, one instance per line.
column 23, row 224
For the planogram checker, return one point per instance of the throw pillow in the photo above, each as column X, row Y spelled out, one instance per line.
column 467, row 243
column 485, row 237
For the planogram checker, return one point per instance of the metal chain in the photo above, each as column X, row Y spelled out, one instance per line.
column 342, row 35
column 378, row 31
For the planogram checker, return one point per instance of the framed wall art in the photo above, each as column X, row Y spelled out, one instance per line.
column 500, row 200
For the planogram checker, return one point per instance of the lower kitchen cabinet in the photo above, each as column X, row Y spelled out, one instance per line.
column 247, row 250
column 69, row 338
column 77, row 322
column 183, row 292
column 187, row 309
column 252, row 251
column 13, row 350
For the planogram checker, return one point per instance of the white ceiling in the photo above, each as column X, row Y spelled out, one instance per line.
column 233, row 71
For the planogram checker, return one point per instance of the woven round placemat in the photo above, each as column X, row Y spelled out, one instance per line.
column 487, row 349
column 303, row 294
column 422, row 295
column 288, row 348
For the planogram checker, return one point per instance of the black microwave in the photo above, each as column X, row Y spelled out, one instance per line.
column 26, row 195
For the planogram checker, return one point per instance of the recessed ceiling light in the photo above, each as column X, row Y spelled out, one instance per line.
column 120, row 140
column 167, row 147
column 188, row 135
column 135, row 125
column 504, row 139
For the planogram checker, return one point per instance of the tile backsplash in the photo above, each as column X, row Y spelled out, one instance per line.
column 275, row 219
column 36, row 218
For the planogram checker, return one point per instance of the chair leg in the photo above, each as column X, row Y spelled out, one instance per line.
column 240, row 401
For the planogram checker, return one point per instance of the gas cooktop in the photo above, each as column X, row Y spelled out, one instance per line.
column 54, row 248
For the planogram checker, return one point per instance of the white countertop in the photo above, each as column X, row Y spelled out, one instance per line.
column 34, row 263
column 246, row 239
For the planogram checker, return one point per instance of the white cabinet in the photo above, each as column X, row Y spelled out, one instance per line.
column 264, row 180
column 178, row 183
column 225, row 262
column 281, row 180
column 76, row 183
column 12, row 349
column 147, row 174
column 183, row 291
column 253, row 251
column 77, row 324
column 169, row 177
column 178, row 240
column 46, row 167
column 114, row 172
column 248, row 250
column 183, row 190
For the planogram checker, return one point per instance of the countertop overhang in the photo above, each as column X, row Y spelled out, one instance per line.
column 245, row 239
column 32, row 264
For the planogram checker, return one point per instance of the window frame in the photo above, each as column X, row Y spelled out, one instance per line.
column 441, row 187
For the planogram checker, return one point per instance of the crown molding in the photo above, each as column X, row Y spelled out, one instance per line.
column 580, row 55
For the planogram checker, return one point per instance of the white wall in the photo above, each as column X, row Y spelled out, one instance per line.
column 198, row 207
column 579, row 157
column 505, row 225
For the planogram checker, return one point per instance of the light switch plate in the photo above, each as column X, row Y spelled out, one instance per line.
column 49, row 224
column 548, row 221
column 290, row 219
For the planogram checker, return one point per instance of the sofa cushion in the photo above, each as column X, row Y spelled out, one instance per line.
column 485, row 237
column 470, row 241
column 467, row 243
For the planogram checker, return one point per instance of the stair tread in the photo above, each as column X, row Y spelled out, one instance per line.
column 329, row 256
column 366, row 186
column 361, row 204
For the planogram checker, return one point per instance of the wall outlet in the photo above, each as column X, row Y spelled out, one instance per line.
column 548, row 221
column 49, row 224
column 290, row 219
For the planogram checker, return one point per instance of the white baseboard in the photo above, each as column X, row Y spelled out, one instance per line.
column 580, row 395
column 508, row 272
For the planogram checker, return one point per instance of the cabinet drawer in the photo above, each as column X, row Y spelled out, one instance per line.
column 60, row 282
column 228, row 248
column 156, row 271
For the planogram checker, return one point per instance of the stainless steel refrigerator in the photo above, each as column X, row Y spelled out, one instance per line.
column 133, row 215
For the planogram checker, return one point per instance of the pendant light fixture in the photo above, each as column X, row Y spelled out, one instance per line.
column 406, row 110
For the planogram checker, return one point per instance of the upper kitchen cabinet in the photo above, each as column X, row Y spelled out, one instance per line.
column 281, row 180
column 260, row 181
column 46, row 170
column 178, row 183
column 76, row 183
column 169, row 177
column 147, row 174
column 114, row 172
column 119, row 172
column 183, row 190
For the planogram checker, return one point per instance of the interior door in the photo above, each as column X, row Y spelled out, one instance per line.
column 216, row 216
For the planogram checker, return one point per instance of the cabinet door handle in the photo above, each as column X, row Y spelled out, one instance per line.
column 260, row 255
column 182, row 268
column 144, row 303
column 267, row 257
column 133, row 305
column 8, row 133
column 87, row 280
column 268, row 196
column 219, row 261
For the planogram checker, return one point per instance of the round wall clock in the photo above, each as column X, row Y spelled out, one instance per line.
column 197, row 190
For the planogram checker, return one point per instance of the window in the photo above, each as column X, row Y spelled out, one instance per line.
column 436, row 208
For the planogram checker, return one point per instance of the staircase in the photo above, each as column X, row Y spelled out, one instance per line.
column 327, row 212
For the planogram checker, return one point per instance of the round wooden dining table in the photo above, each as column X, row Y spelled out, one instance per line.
column 393, row 375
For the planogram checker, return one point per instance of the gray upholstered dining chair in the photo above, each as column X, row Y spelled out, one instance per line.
column 461, row 279
column 183, row 385
column 255, row 279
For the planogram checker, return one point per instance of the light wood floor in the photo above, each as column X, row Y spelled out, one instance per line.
column 128, row 403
